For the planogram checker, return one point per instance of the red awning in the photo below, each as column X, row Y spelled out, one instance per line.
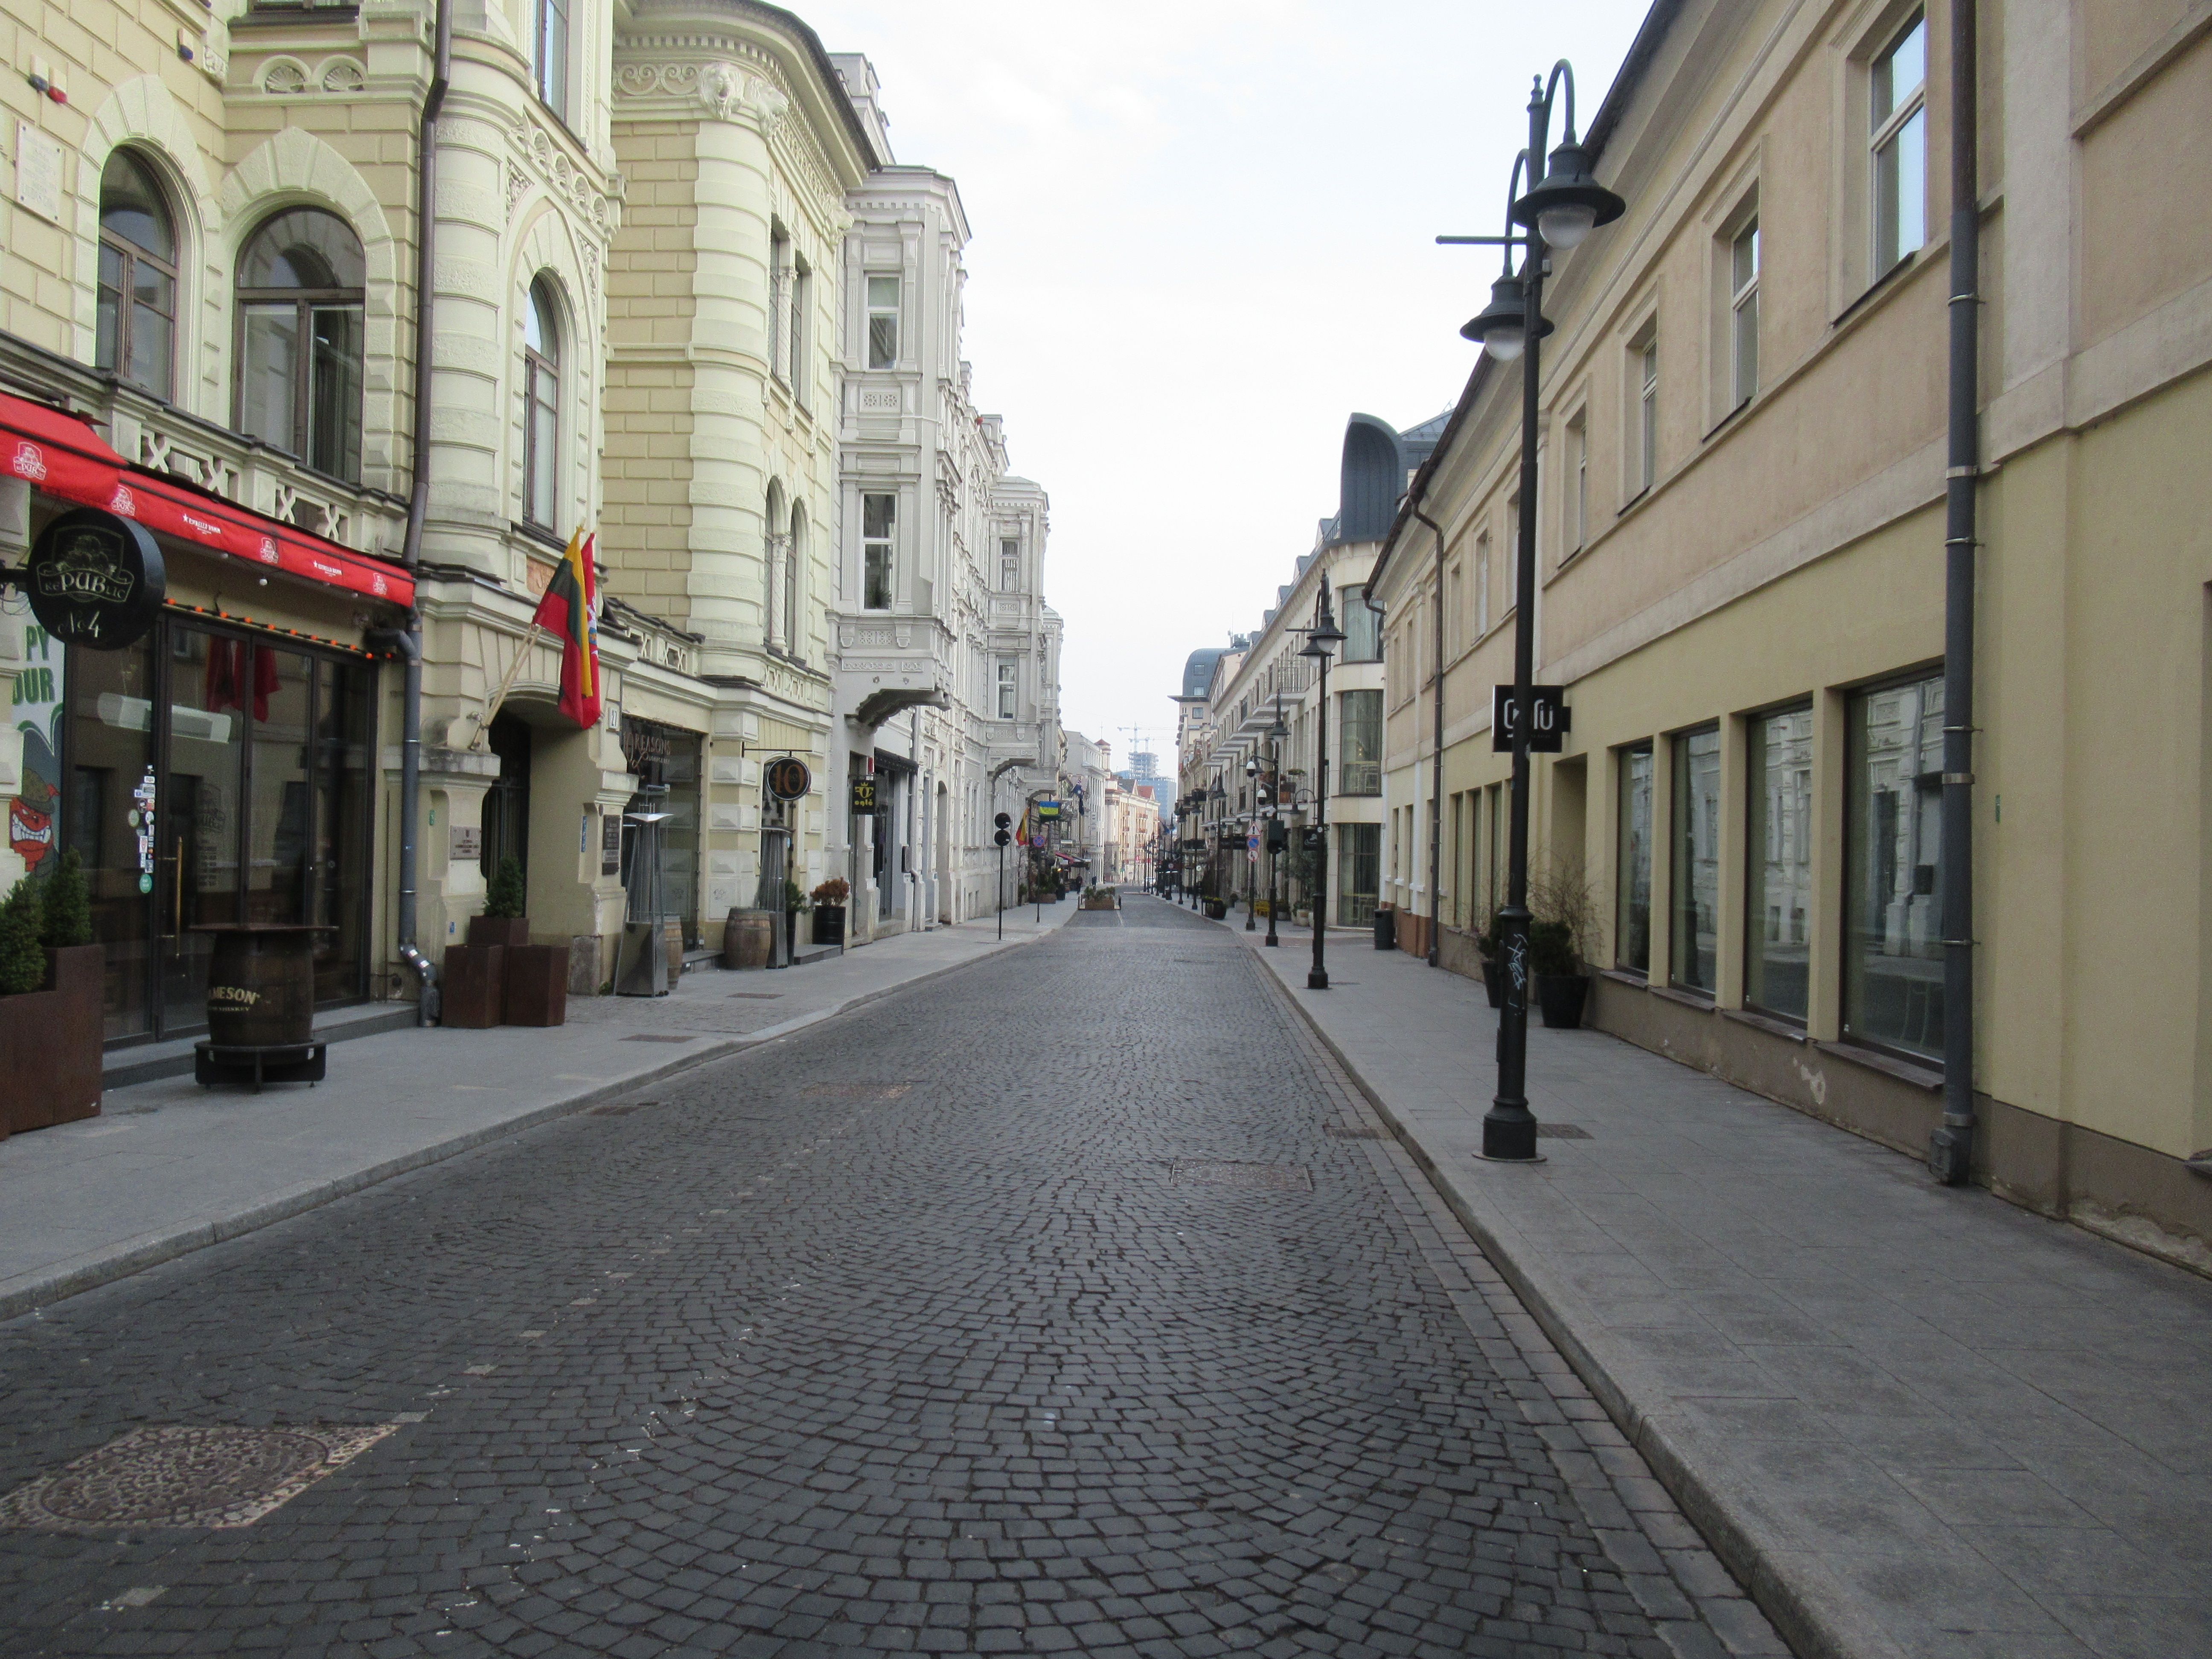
column 62, row 456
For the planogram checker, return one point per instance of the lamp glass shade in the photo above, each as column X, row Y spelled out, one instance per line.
column 1566, row 225
column 1505, row 343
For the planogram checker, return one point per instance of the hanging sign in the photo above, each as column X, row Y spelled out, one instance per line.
column 788, row 778
column 1548, row 725
column 96, row 579
column 864, row 793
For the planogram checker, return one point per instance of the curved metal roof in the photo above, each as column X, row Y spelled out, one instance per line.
column 1198, row 671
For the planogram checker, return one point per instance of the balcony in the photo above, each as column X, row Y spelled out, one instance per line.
column 894, row 663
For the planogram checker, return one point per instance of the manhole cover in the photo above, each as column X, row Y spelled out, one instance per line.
column 1351, row 1132
column 658, row 1037
column 1561, row 1132
column 186, row 1477
column 1247, row 1177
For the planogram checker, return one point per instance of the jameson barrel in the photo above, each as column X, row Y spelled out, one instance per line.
column 261, row 984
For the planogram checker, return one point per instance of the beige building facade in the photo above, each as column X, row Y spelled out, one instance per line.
column 1740, row 551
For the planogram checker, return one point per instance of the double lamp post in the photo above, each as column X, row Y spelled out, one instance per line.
column 1562, row 205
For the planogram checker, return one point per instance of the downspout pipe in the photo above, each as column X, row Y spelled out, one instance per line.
column 1436, row 778
column 418, row 509
column 1950, row 1149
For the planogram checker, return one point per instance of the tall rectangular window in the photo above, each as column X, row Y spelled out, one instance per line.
column 1892, row 873
column 1360, row 771
column 1010, row 567
column 1362, row 624
column 1896, row 128
column 779, row 288
column 1632, row 879
column 1647, row 414
column 1578, row 501
column 1696, row 834
column 553, row 56
column 1778, row 869
column 1358, row 873
column 802, row 297
column 1458, row 842
column 883, row 321
column 879, row 534
column 1006, row 689
column 1482, row 584
column 1455, row 612
column 1743, row 312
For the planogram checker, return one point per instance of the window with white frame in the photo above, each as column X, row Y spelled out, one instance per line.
column 1743, row 313
column 541, row 431
column 1006, row 688
column 883, row 321
column 1482, row 584
column 1010, row 565
column 1644, row 408
column 1897, row 139
column 553, row 56
column 802, row 290
column 878, row 531
column 779, row 277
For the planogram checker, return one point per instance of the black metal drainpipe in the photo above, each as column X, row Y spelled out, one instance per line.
column 418, row 509
column 1436, row 782
column 1950, row 1151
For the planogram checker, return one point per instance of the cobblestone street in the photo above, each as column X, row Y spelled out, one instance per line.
column 1070, row 1302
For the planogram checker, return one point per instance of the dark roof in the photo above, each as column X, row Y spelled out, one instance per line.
column 1197, row 672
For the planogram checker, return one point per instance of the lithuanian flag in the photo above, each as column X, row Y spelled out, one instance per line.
column 570, row 608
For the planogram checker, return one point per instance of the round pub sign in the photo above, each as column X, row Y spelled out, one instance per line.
column 788, row 778
column 96, row 579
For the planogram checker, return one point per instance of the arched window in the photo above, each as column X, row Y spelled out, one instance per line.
column 794, row 565
column 300, row 284
column 137, row 332
column 541, row 374
column 773, row 553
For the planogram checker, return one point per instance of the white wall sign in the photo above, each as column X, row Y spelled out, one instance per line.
column 38, row 172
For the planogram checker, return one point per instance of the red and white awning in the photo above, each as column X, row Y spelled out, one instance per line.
column 62, row 456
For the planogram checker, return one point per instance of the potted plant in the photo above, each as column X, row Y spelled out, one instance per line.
column 794, row 901
column 473, row 981
column 830, row 910
column 50, row 994
column 1560, row 905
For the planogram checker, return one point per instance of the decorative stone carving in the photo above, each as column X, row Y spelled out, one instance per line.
column 284, row 76
column 601, row 211
column 343, row 75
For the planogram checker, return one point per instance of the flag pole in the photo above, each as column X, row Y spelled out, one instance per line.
column 491, row 708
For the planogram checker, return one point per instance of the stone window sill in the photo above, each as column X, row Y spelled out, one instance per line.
column 1874, row 1060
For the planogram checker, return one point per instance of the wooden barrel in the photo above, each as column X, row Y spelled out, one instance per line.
column 748, row 939
column 261, row 985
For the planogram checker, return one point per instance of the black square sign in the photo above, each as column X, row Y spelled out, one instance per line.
column 1548, row 731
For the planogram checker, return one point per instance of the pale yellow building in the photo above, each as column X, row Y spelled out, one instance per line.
column 1740, row 552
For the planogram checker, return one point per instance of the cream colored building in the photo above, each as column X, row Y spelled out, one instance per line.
column 1740, row 542
column 213, row 249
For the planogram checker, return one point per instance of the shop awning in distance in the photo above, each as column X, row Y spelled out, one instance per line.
column 62, row 456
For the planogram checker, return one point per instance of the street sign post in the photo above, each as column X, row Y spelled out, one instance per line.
column 1001, row 833
column 1551, row 721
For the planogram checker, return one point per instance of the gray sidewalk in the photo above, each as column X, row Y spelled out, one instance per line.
column 169, row 1167
column 1913, row 1420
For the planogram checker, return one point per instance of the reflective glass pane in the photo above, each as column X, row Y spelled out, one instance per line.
column 553, row 56
column 883, row 342
column 1632, row 877
column 279, row 824
column 334, row 426
column 153, row 339
column 344, row 734
column 109, row 321
column 212, row 684
column 112, row 816
column 1697, row 862
column 876, row 515
column 882, row 293
column 305, row 248
column 130, row 206
column 269, row 379
column 545, row 448
column 1893, row 893
column 1777, row 902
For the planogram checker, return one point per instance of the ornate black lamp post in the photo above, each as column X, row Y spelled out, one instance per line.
column 1251, row 854
column 1563, row 204
column 1276, row 733
column 1322, row 640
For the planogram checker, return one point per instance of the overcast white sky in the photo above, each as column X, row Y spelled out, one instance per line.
column 1202, row 239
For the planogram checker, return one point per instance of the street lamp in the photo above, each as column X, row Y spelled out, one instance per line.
column 1276, row 733
column 1321, row 640
column 1564, row 202
column 1251, row 852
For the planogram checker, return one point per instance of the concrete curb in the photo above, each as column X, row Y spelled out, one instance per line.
column 125, row 1261
column 1805, row 1607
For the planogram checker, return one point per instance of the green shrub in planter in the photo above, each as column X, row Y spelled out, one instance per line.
column 508, row 897
column 68, row 919
column 22, row 963
column 1551, row 948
